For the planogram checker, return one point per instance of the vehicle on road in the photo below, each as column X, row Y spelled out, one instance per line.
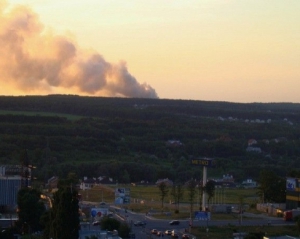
column 168, row 232
column 291, row 215
column 154, row 231
column 96, row 223
column 175, row 235
column 140, row 223
column 160, row 234
column 185, row 236
column 174, row 222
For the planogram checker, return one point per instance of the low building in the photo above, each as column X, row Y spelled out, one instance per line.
column 249, row 183
column 167, row 181
column 52, row 182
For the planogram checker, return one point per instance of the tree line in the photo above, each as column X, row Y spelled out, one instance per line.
column 114, row 137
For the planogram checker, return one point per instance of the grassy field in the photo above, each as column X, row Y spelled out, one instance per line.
column 226, row 232
column 151, row 195
column 28, row 113
column 146, row 199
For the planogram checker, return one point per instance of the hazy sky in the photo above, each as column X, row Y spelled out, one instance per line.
column 217, row 50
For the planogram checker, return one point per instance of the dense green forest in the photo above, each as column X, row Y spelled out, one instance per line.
column 127, row 139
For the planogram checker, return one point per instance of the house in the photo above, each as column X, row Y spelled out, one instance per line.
column 253, row 149
column 167, row 181
column 251, row 142
column 174, row 143
column 52, row 182
column 280, row 139
column 88, row 183
column 106, row 180
column 224, row 138
column 226, row 181
column 249, row 183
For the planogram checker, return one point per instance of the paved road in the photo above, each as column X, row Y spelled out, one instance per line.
column 248, row 219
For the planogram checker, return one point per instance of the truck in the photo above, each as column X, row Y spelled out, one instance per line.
column 291, row 214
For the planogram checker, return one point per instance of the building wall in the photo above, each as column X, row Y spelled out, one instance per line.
column 9, row 187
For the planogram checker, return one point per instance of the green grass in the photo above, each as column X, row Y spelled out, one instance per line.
column 28, row 113
column 151, row 195
column 147, row 199
column 225, row 232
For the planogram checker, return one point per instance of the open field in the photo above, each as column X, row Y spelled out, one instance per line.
column 151, row 194
column 225, row 232
column 146, row 199
column 34, row 113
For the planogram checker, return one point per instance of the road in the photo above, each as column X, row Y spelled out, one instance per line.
column 162, row 225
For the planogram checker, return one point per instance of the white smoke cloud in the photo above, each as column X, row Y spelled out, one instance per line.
column 35, row 60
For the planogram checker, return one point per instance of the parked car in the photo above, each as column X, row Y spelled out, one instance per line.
column 168, row 232
column 159, row 234
column 174, row 222
column 139, row 223
column 185, row 236
column 174, row 235
column 96, row 223
column 154, row 231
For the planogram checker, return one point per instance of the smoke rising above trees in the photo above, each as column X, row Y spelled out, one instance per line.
column 33, row 60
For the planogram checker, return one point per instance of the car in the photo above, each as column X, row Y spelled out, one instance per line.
column 154, row 231
column 174, row 222
column 168, row 232
column 139, row 223
column 96, row 223
column 174, row 235
column 185, row 236
column 159, row 234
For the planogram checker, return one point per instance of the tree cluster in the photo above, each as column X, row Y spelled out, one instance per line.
column 127, row 139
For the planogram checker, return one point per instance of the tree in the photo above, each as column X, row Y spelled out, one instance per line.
column 109, row 224
column 191, row 194
column 124, row 230
column 63, row 219
column 271, row 187
column 163, row 189
column 126, row 177
column 177, row 194
column 210, row 189
column 30, row 210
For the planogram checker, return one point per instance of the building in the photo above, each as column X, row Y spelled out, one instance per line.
column 52, row 182
column 292, row 193
column 9, row 187
column 249, row 183
column 11, row 180
column 167, row 181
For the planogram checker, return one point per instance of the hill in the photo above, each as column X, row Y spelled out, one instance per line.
column 132, row 139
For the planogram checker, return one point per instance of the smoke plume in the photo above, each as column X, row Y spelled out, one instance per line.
column 34, row 60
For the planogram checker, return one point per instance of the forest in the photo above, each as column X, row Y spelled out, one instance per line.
column 134, row 140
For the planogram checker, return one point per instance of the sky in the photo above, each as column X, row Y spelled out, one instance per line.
column 212, row 50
